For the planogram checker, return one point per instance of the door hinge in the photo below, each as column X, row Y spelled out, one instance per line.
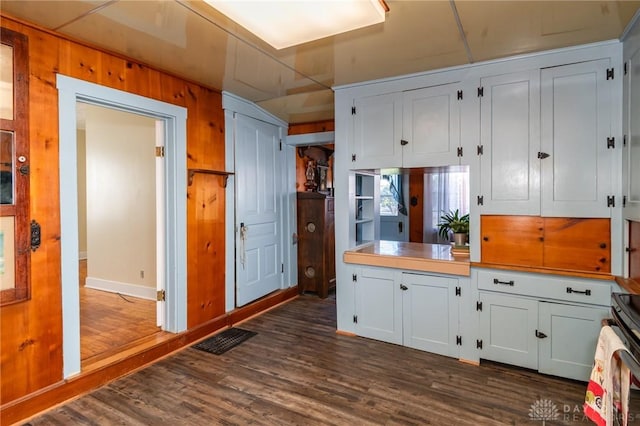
column 626, row 68
column 159, row 151
column 481, row 200
column 36, row 235
column 458, row 291
column 459, row 151
column 161, row 296
column 611, row 143
column 459, row 94
column 610, row 74
column 480, row 149
column 355, row 319
column 283, row 268
column 353, row 110
column 280, row 144
column 403, row 287
column 479, row 306
column 479, row 344
column 459, row 340
column 480, row 91
column 543, row 155
column 354, row 278
column 624, row 140
column 611, row 200
column 353, row 157
column 624, row 201
column 404, row 142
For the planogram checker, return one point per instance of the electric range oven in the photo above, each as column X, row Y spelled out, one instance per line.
column 625, row 310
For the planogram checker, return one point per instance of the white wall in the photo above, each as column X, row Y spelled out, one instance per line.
column 120, row 186
column 82, row 192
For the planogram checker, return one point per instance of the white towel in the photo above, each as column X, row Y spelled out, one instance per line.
column 608, row 388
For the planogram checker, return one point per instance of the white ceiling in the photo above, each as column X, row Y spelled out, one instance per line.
column 190, row 39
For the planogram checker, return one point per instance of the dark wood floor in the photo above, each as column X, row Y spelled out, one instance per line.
column 298, row 371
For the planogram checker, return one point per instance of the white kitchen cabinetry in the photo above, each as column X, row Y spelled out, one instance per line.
column 631, row 150
column 509, row 143
column 416, row 310
column 546, row 146
column 378, row 304
column 415, row 128
column 576, row 134
column 430, row 310
column 546, row 323
column 377, row 131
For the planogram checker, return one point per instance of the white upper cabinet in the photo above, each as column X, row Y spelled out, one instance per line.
column 509, row 143
column 431, row 126
column 415, row 128
column 377, row 131
column 631, row 150
column 576, row 130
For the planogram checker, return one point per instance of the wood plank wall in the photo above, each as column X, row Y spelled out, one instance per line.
column 31, row 331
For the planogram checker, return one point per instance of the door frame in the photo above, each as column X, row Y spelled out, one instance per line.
column 233, row 105
column 70, row 91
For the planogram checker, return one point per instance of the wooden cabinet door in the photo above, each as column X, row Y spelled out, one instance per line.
column 431, row 126
column 378, row 305
column 576, row 122
column 571, row 336
column 430, row 313
column 508, row 328
column 377, row 131
column 510, row 141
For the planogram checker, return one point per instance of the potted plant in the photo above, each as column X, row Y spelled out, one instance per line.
column 453, row 222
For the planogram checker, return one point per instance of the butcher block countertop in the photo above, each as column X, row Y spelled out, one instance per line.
column 435, row 258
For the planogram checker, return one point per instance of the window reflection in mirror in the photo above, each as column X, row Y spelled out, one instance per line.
column 6, row 167
column 413, row 200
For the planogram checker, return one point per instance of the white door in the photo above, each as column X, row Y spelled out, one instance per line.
column 430, row 309
column 377, row 122
column 510, row 140
column 576, row 122
column 258, row 197
column 431, row 126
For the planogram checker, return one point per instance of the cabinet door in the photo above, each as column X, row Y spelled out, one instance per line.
column 576, row 122
column 508, row 326
column 378, row 305
column 431, row 126
column 631, row 151
column 510, row 140
column 572, row 333
column 377, row 122
column 430, row 311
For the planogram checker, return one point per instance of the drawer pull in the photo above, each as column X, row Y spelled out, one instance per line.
column 497, row 281
column 586, row 292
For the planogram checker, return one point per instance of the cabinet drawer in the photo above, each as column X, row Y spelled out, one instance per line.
column 546, row 286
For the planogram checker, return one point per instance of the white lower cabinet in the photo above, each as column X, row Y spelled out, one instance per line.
column 416, row 310
column 541, row 331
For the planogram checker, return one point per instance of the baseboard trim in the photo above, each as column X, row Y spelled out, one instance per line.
column 22, row 409
column 128, row 289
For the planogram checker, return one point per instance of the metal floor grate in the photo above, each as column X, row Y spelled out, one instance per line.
column 222, row 342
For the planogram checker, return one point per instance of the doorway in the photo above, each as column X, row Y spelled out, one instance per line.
column 173, row 120
column 119, row 228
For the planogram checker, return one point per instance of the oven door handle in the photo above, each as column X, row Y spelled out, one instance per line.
column 625, row 356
